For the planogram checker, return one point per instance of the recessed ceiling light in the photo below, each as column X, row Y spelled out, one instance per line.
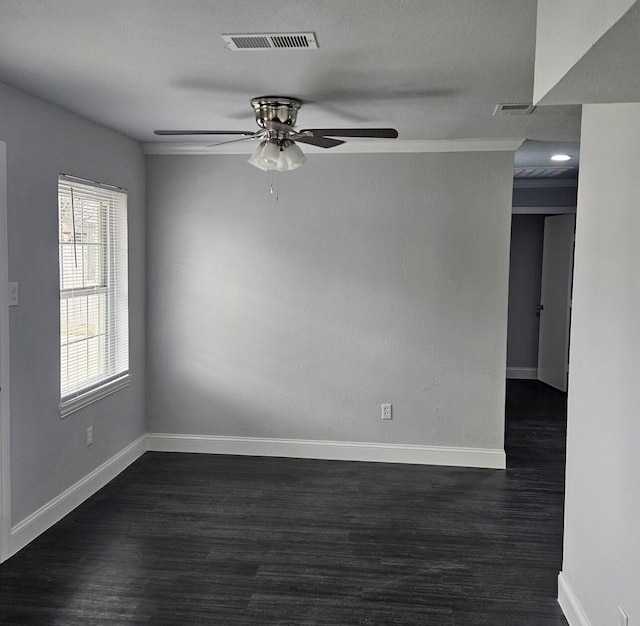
column 560, row 157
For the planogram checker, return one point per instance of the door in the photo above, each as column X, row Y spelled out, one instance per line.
column 555, row 300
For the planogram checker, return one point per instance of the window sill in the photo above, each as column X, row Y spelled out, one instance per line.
column 80, row 402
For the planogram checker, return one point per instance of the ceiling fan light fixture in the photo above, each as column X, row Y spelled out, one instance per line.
column 282, row 162
column 294, row 156
column 256, row 157
column 270, row 155
column 280, row 155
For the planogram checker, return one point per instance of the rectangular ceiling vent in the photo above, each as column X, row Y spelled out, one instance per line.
column 540, row 172
column 514, row 109
column 269, row 41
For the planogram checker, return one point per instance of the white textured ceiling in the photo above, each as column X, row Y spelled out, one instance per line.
column 434, row 69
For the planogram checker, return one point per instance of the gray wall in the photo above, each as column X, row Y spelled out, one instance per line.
column 545, row 196
column 376, row 278
column 525, row 271
column 601, row 539
column 48, row 454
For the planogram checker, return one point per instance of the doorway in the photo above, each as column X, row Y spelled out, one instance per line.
column 543, row 221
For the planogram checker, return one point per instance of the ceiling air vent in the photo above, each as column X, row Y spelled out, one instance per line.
column 514, row 109
column 267, row 41
column 540, row 172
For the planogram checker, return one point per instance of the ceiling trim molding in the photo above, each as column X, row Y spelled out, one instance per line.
column 544, row 182
column 543, row 210
column 351, row 147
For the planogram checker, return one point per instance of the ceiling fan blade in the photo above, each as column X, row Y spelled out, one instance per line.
column 203, row 132
column 382, row 133
column 321, row 142
column 222, row 143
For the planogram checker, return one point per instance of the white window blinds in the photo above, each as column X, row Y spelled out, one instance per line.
column 94, row 307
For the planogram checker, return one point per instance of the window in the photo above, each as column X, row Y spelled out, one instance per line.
column 94, row 307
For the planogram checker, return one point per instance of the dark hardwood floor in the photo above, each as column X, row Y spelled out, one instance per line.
column 182, row 539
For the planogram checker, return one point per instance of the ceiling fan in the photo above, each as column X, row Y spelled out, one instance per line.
column 276, row 116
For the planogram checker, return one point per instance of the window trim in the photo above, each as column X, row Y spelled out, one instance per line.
column 89, row 396
column 86, row 396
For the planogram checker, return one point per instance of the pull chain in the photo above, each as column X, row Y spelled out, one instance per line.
column 274, row 184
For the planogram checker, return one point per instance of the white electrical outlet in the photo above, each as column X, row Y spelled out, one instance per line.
column 89, row 435
column 623, row 620
column 13, row 294
column 386, row 412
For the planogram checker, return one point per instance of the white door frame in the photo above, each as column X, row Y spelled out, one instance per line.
column 5, row 482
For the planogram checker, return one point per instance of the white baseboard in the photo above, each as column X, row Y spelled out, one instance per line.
column 46, row 516
column 330, row 450
column 570, row 605
column 523, row 373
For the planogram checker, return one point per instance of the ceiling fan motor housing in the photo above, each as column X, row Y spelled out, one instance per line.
column 276, row 108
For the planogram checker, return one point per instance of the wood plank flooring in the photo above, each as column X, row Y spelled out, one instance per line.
column 181, row 539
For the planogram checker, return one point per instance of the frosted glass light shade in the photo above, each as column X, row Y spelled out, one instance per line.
column 283, row 166
column 282, row 155
column 256, row 159
column 294, row 156
column 270, row 155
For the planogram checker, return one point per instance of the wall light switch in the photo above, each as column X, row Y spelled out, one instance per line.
column 13, row 293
